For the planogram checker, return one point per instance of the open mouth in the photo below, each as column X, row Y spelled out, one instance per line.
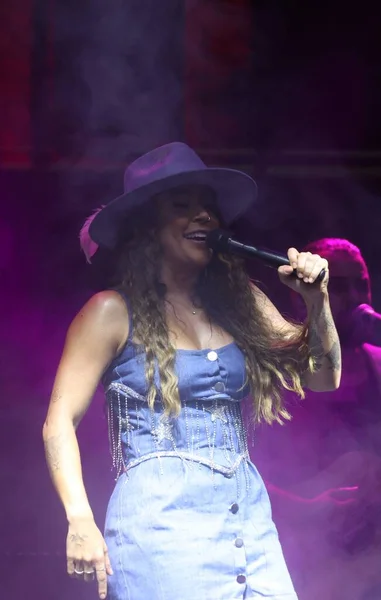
column 196, row 236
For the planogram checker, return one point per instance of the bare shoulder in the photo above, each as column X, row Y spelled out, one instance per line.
column 104, row 316
column 103, row 308
column 95, row 337
column 106, row 304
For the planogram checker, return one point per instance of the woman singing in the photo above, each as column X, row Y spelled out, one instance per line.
column 178, row 341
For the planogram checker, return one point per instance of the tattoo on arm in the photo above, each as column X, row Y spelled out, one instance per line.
column 334, row 357
column 78, row 539
column 53, row 450
column 322, row 326
column 316, row 346
column 56, row 396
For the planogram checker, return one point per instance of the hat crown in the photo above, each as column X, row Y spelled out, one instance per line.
column 168, row 160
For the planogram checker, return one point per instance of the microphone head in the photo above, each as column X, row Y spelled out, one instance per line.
column 218, row 240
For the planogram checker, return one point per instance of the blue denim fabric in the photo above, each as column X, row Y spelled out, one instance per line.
column 189, row 518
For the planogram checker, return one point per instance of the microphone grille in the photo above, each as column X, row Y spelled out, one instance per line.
column 218, row 240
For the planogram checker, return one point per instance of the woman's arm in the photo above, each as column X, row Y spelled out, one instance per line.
column 94, row 338
column 325, row 346
column 323, row 339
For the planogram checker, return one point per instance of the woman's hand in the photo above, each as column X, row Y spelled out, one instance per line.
column 87, row 555
column 308, row 267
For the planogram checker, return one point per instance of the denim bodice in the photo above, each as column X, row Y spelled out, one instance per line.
column 209, row 429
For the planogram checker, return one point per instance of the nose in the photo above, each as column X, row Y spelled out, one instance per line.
column 202, row 215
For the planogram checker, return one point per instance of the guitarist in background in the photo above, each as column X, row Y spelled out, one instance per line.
column 324, row 467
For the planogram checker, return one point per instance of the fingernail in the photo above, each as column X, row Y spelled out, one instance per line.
column 305, row 279
column 311, row 280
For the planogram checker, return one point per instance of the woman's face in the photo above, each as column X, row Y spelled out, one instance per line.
column 186, row 215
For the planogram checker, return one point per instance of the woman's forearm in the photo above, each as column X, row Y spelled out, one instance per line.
column 64, row 462
column 325, row 346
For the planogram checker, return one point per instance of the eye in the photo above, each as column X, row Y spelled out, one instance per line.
column 180, row 204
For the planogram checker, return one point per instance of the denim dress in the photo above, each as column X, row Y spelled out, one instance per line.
column 189, row 517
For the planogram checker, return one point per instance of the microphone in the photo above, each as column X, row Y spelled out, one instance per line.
column 220, row 241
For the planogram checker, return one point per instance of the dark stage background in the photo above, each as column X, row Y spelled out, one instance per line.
column 288, row 92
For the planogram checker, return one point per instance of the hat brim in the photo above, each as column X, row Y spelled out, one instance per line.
column 235, row 193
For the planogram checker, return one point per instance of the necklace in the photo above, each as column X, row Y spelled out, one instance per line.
column 194, row 309
column 196, row 305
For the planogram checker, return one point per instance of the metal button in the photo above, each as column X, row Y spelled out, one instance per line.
column 212, row 355
column 220, row 386
column 234, row 508
column 238, row 542
column 241, row 579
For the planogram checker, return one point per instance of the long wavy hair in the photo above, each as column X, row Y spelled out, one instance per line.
column 225, row 292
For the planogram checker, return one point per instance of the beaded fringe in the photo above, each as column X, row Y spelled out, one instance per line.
column 123, row 399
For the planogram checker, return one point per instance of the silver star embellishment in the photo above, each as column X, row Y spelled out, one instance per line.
column 217, row 412
column 163, row 431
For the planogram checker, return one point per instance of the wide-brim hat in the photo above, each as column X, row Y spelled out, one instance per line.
column 162, row 169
